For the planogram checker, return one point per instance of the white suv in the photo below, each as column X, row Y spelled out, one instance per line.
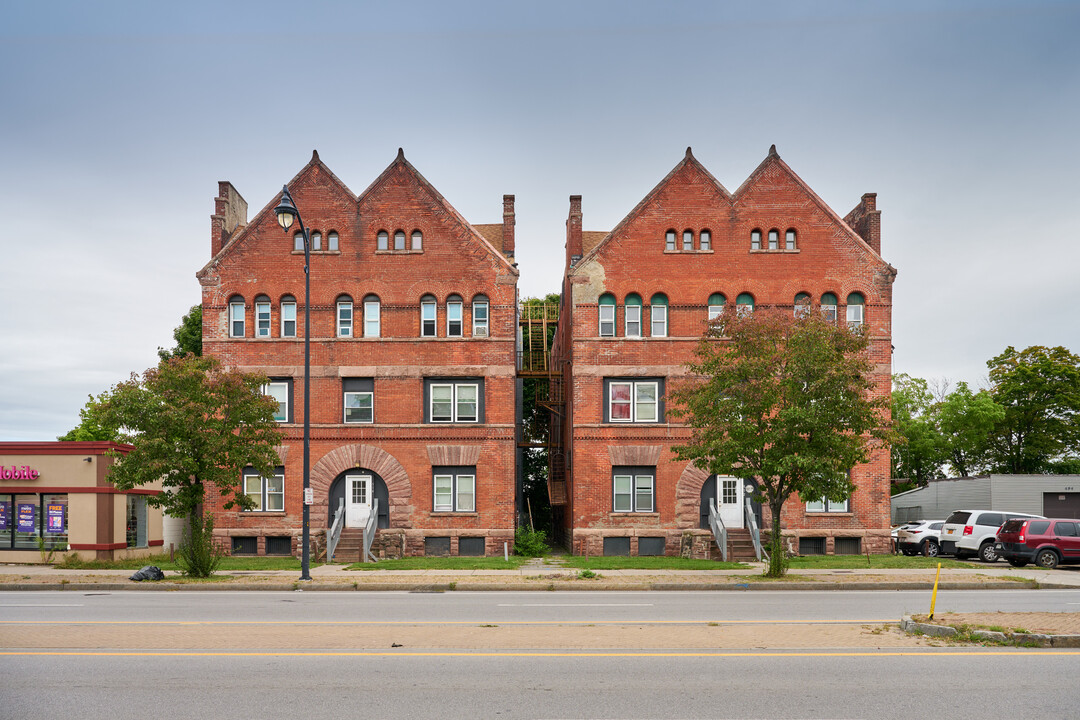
column 974, row 532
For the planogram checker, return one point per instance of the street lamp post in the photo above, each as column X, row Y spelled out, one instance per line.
column 286, row 214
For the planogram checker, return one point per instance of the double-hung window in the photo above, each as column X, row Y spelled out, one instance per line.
column 716, row 306
column 632, row 310
column 607, row 315
column 658, row 315
column 802, row 305
column 828, row 307
column 236, row 317
column 427, row 316
column 267, row 493
column 344, row 317
column 744, row 304
column 454, row 489
column 382, row 240
column 455, row 401
column 262, row 316
column 669, row 240
column 774, row 239
column 855, row 307
column 281, row 391
column 316, row 240
column 288, row 316
column 358, row 399
column 454, row 316
column 371, row 316
column 688, row 240
column 706, row 240
column 633, row 401
column 399, row 240
column 332, row 242
column 417, row 240
column 633, row 489
column 480, row 316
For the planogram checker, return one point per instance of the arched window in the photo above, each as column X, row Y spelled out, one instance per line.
column 774, row 239
column 633, row 315
column 344, row 316
column 755, row 239
column 298, row 241
column 262, row 316
column 802, row 305
column 382, row 241
column 669, row 240
column 236, row 316
column 744, row 304
column 706, row 240
column 332, row 241
column 855, row 310
column 455, row 316
column 417, row 240
column 288, row 316
column 607, row 314
column 687, row 239
column 789, row 239
column 399, row 239
column 828, row 307
column 316, row 240
column 372, row 322
column 658, row 315
column 480, row 308
column 427, row 316
column 716, row 306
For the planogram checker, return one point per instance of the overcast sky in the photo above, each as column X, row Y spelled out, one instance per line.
column 119, row 119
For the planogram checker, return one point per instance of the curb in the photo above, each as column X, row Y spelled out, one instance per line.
column 553, row 585
column 1057, row 641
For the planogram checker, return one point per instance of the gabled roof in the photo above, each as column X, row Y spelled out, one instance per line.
column 401, row 163
column 688, row 159
column 773, row 160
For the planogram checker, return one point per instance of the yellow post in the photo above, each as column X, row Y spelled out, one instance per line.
column 933, row 598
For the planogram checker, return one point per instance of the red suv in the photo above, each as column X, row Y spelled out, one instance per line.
column 1047, row 543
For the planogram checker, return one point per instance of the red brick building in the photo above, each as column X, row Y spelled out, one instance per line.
column 412, row 361
column 636, row 300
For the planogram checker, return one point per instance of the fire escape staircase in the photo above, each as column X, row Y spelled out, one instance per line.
column 536, row 327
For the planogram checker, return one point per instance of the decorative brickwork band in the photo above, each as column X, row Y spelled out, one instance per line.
column 688, row 496
column 367, row 457
column 642, row 455
column 453, row 454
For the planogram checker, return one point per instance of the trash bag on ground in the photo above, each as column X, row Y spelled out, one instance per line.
column 148, row 572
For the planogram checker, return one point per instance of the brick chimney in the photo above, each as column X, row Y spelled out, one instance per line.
column 230, row 212
column 865, row 219
column 508, row 226
column 573, row 231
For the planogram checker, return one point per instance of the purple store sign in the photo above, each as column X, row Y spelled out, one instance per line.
column 54, row 519
column 5, row 514
column 26, row 518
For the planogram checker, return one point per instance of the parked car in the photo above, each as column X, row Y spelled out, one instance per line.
column 967, row 533
column 919, row 538
column 1047, row 543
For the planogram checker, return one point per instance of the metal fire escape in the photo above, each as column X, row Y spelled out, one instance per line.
column 536, row 327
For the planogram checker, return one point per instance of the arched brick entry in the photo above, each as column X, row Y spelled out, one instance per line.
column 688, row 497
column 368, row 457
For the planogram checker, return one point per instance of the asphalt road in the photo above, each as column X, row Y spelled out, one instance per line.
column 507, row 607
column 1013, row 684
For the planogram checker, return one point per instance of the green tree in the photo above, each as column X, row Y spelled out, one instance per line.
column 786, row 400
column 919, row 452
column 193, row 424
column 1039, row 390
column 966, row 421
column 92, row 424
column 536, row 425
column 188, row 335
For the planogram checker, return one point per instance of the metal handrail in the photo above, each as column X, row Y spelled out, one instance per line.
column 334, row 535
column 369, row 531
column 719, row 531
column 755, row 534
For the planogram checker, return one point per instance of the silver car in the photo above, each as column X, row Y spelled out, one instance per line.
column 919, row 538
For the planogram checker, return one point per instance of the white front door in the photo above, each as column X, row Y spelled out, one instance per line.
column 729, row 500
column 357, row 500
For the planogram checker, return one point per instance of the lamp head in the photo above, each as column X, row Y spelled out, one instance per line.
column 286, row 211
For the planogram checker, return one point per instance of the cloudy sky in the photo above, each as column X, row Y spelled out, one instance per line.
column 121, row 117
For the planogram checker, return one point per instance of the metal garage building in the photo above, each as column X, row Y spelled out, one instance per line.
column 1049, row 495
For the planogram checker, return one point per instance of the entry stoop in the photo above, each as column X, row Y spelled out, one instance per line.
column 740, row 545
column 350, row 547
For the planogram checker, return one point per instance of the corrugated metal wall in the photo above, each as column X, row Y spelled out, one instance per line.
column 1018, row 493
